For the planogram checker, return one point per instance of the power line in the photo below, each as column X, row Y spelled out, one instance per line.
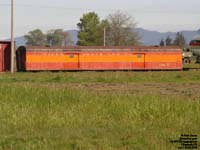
column 151, row 11
column 55, row 7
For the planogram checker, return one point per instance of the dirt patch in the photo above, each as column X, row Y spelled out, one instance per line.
column 183, row 89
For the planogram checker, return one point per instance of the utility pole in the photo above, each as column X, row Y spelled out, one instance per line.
column 104, row 38
column 12, row 38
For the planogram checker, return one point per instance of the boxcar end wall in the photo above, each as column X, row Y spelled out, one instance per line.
column 5, row 56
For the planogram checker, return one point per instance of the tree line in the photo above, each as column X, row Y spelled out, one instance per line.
column 53, row 37
column 118, row 29
column 178, row 41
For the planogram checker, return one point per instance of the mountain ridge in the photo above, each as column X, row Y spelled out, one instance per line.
column 148, row 37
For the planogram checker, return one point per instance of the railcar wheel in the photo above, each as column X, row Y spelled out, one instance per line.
column 186, row 61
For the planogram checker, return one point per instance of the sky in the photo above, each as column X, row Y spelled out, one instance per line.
column 157, row 15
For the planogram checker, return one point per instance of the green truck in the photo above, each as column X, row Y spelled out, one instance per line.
column 187, row 56
column 192, row 50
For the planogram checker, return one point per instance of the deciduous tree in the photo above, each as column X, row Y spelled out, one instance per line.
column 57, row 37
column 35, row 38
column 121, row 30
column 67, row 40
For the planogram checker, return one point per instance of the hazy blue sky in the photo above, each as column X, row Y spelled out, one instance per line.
column 160, row 15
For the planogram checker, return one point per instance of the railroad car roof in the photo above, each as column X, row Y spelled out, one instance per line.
column 102, row 48
column 5, row 42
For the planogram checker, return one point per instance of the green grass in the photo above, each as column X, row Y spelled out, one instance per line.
column 79, row 111
column 103, row 77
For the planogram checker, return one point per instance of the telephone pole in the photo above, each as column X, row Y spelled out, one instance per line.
column 12, row 38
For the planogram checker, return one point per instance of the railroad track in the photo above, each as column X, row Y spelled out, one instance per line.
column 191, row 69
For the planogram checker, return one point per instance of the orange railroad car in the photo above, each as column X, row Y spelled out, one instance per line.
column 99, row 58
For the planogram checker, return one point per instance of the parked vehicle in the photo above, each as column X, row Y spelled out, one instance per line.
column 195, row 48
column 187, row 56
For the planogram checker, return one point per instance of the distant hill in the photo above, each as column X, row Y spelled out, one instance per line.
column 153, row 37
column 147, row 37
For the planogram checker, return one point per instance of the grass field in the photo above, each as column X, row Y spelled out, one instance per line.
column 98, row 110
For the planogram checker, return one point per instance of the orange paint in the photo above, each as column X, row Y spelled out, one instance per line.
column 103, row 57
column 52, row 58
column 111, row 58
column 163, row 58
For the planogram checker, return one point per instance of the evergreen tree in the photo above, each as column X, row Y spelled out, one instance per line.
column 168, row 41
column 91, row 30
column 179, row 40
column 162, row 42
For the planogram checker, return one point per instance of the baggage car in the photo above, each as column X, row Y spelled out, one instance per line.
column 99, row 58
